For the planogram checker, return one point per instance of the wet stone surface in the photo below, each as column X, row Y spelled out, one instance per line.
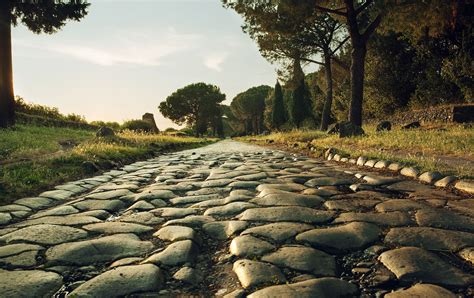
column 238, row 220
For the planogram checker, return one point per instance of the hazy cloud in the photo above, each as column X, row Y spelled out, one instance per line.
column 214, row 61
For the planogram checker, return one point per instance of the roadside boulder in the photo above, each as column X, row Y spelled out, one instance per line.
column 148, row 117
column 346, row 129
column 105, row 131
column 384, row 126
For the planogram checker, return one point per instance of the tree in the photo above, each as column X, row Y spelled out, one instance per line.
column 248, row 107
column 195, row 105
column 300, row 106
column 357, row 17
column 278, row 116
column 40, row 16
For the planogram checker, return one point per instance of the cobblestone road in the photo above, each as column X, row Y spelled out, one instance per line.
column 232, row 220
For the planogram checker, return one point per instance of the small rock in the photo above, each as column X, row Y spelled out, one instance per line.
column 430, row 177
column 410, row 172
column 188, row 275
column 253, row 273
column 415, row 124
column 249, row 246
column 384, row 126
column 105, row 131
column 422, row 291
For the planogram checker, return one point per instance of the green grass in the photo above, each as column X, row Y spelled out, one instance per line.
column 33, row 160
column 445, row 150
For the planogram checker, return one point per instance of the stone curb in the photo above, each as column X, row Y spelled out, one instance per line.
column 432, row 178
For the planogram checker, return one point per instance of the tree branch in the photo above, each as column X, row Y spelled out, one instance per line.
column 340, row 45
column 363, row 6
column 333, row 11
column 372, row 27
column 311, row 60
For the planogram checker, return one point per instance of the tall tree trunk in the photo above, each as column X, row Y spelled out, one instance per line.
column 328, row 103
column 7, row 99
column 357, row 82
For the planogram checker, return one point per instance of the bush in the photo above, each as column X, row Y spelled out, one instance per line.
column 138, row 125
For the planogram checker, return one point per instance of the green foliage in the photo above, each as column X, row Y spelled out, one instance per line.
column 138, row 125
column 278, row 115
column 300, row 106
column 248, row 107
column 113, row 125
column 196, row 105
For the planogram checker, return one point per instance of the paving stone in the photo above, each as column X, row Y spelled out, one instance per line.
column 430, row 177
column 244, row 184
column 23, row 260
column 381, row 164
column 279, row 232
column 395, row 218
column 253, row 273
column 125, row 262
column 430, row 238
column 146, row 218
column 252, row 177
column 409, row 172
column 58, row 195
column 29, row 283
column 408, row 186
column 76, row 189
column 194, row 199
column 60, row 210
column 112, row 194
column 222, row 230
column 122, row 281
column 362, row 195
column 229, row 209
column 15, row 249
column 467, row 254
column 35, row 203
column 142, row 205
column 153, row 194
column 412, row 264
column 288, row 199
column 188, row 275
column 442, row 218
column 320, row 192
column 445, row 181
column 465, row 185
column 177, row 253
column 192, row 221
column 100, row 214
column 217, row 183
column 327, row 181
column 242, row 192
column 5, row 218
column 399, row 205
column 463, row 206
column 327, row 287
column 14, row 207
column 249, row 246
column 351, row 204
column 175, row 212
column 287, row 213
column 45, row 234
column 292, row 187
column 104, row 249
column 117, row 228
column 210, row 203
column 355, row 235
column 109, row 205
column 175, row 233
column 422, row 291
column 380, row 180
column 304, row 259
column 158, row 203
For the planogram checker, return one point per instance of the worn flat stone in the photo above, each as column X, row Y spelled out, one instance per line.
column 287, row 213
column 217, row 183
column 445, row 181
column 191, row 220
column 327, row 181
column 252, row 177
column 112, row 194
column 465, row 206
column 380, row 180
column 5, row 218
column 60, row 210
column 222, row 230
column 279, row 231
column 327, row 287
column 14, row 207
column 355, row 235
column 465, row 185
column 351, row 204
column 23, row 260
column 143, row 205
column 175, row 212
column 122, row 281
column 69, row 220
column 15, row 249
column 29, row 283
column 430, row 238
column 412, row 264
column 288, row 199
column 442, row 218
column 292, row 187
column 249, row 246
column 422, row 291
column 104, row 249
column 188, row 275
column 154, row 194
column 58, row 195
column 305, row 259
column 244, row 184
column 175, row 233
column 229, row 209
column 399, row 205
column 177, row 253
column 194, row 199
column 396, row 218
column 35, row 203
column 45, row 234
column 146, row 218
column 253, row 273
column 117, row 228
column 125, row 262
column 108, row 205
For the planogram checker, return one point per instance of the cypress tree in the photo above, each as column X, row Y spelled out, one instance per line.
column 278, row 108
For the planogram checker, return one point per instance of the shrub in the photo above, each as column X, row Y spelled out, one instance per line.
column 138, row 125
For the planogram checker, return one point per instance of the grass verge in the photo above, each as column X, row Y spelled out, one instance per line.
column 448, row 149
column 34, row 159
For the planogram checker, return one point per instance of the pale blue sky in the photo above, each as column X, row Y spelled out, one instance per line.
column 127, row 56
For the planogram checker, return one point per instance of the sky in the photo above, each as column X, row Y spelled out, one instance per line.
column 126, row 56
